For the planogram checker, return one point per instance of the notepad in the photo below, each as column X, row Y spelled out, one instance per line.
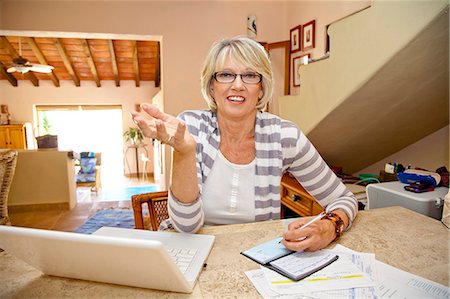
column 291, row 264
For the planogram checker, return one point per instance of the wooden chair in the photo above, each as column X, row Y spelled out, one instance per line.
column 157, row 209
column 8, row 160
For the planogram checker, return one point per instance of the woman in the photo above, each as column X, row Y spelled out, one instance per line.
column 228, row 161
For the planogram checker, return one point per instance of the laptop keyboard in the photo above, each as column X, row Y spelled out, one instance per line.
column 182, row 257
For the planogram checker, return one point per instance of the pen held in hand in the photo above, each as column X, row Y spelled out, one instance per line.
column 318, row 217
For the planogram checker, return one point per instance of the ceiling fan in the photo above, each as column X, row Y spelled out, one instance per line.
column 23, row 65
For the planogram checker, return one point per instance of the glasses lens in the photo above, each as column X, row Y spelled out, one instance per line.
column 228, row 77
column 251, row 78
column 225, row 77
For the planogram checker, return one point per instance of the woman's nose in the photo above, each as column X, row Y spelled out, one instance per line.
column 238, row 83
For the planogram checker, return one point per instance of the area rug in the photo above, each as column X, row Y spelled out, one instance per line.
column 111, row 217
column 126, row 193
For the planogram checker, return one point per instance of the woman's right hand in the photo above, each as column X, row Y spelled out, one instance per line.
column 166, row 128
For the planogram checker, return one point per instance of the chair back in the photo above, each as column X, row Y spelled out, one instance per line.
column 8, row 160
column 98, row 156
column 157, row 209
column 89, row 174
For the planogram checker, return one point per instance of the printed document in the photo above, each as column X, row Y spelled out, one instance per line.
column 390, row 282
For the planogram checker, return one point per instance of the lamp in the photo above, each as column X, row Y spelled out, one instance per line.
column 304, row 60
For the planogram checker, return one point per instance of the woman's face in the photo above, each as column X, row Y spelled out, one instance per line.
column 236, row 99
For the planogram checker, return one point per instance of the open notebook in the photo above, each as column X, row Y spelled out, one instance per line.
column 122, row 256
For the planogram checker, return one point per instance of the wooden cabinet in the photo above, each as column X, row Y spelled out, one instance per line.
column 13, row 136
column 295, row 198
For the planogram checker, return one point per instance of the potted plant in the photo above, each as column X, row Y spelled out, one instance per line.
column 134, row 136
column 47, row 140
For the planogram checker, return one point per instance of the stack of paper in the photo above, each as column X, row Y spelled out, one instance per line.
column 291, row 264
column 353, row 275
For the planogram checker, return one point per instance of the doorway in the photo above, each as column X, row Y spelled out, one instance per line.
column 88, row 128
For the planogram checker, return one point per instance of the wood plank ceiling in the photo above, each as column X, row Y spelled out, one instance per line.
column 78, row 59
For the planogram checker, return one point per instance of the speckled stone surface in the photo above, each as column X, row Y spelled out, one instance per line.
column 397, row 236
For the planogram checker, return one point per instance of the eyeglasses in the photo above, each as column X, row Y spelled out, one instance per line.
column 229, row 77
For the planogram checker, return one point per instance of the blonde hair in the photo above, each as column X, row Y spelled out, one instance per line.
column 244, row 51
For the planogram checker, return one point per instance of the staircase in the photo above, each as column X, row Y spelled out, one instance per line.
column 384, row 87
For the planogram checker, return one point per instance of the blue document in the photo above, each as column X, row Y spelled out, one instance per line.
column 267, row 252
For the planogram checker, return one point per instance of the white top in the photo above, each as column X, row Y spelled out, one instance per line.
column 229, row 201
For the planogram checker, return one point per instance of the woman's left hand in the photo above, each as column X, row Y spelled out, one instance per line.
column 311, row 238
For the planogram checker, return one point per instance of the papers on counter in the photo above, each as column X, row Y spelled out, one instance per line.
column 353, row 275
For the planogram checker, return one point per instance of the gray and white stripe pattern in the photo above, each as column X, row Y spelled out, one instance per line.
column 280, row 147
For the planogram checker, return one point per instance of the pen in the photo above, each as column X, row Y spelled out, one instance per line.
column 318, row 217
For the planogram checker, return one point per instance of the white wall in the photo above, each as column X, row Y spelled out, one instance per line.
column 429, row 153
column 324, row 13
column 43, row 177
column 315, row 100
column 188, row 28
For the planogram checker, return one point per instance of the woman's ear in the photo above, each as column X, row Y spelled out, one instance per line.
column 261, row 94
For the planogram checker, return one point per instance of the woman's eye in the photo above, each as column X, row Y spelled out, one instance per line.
column 226, row 75
column 250, row 75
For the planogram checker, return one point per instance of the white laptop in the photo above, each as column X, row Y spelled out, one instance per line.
column 122, row 256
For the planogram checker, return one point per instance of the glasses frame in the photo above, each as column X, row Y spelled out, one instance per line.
column 235, row 76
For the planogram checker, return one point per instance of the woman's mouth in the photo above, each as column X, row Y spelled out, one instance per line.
column 236, row 99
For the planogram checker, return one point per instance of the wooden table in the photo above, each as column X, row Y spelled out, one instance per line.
column 398, row 236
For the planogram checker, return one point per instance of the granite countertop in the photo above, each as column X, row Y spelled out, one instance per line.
column 398, row 236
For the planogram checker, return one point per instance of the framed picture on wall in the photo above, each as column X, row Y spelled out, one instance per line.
column 296, row 39
column 308, row 38
column 296, row 66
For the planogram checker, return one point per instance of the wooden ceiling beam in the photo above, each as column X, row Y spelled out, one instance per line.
column 135, row 63
column 90, row 60
column 41, row 58
column 158, row 66
column 115, row 69
column 67, row 63
column 13, row 53
column 109, row 60
column 8, row 76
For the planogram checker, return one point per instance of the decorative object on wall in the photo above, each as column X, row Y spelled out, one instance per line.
column 304, row 59
column 5, row 116
column 137, row 107
column 298, row 62
column 296, row 39
column 4, row 109
column 251, row 26
column 308, row 39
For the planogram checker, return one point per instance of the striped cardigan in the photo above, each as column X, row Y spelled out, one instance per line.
column 280, row 147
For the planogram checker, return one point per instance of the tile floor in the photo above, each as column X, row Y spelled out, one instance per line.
column 68, row 220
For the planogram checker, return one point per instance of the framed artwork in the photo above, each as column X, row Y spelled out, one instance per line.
column 296, row 39
column 296, row 65
column 308, row 38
